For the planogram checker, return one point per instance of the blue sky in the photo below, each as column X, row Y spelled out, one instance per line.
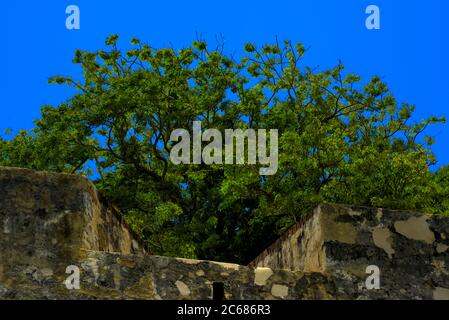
column 410, row 51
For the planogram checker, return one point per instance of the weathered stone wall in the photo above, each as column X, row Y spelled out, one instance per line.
column 51, row 221
column 410, row 249
column 117, row 276
column 47, row 214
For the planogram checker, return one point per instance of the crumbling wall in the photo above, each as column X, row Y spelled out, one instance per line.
column 46, row 214
column 116, row 276
column 52, row 224
column 409, row 249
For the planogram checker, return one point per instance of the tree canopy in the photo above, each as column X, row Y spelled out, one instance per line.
column 340, row 140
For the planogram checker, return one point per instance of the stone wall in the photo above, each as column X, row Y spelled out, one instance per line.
column 47, row 214
column 49, row 222
column 410, row 249
column 116, row 276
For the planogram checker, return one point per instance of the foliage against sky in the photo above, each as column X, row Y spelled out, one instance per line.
column 341, row 140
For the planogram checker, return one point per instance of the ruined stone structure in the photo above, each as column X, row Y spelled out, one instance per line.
column 49, row 222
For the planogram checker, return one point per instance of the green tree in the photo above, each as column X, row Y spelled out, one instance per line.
column 340, row 141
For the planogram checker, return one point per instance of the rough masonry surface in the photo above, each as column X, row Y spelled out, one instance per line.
column 51, row 221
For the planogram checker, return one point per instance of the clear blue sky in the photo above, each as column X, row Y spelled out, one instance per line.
column 410, row 51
